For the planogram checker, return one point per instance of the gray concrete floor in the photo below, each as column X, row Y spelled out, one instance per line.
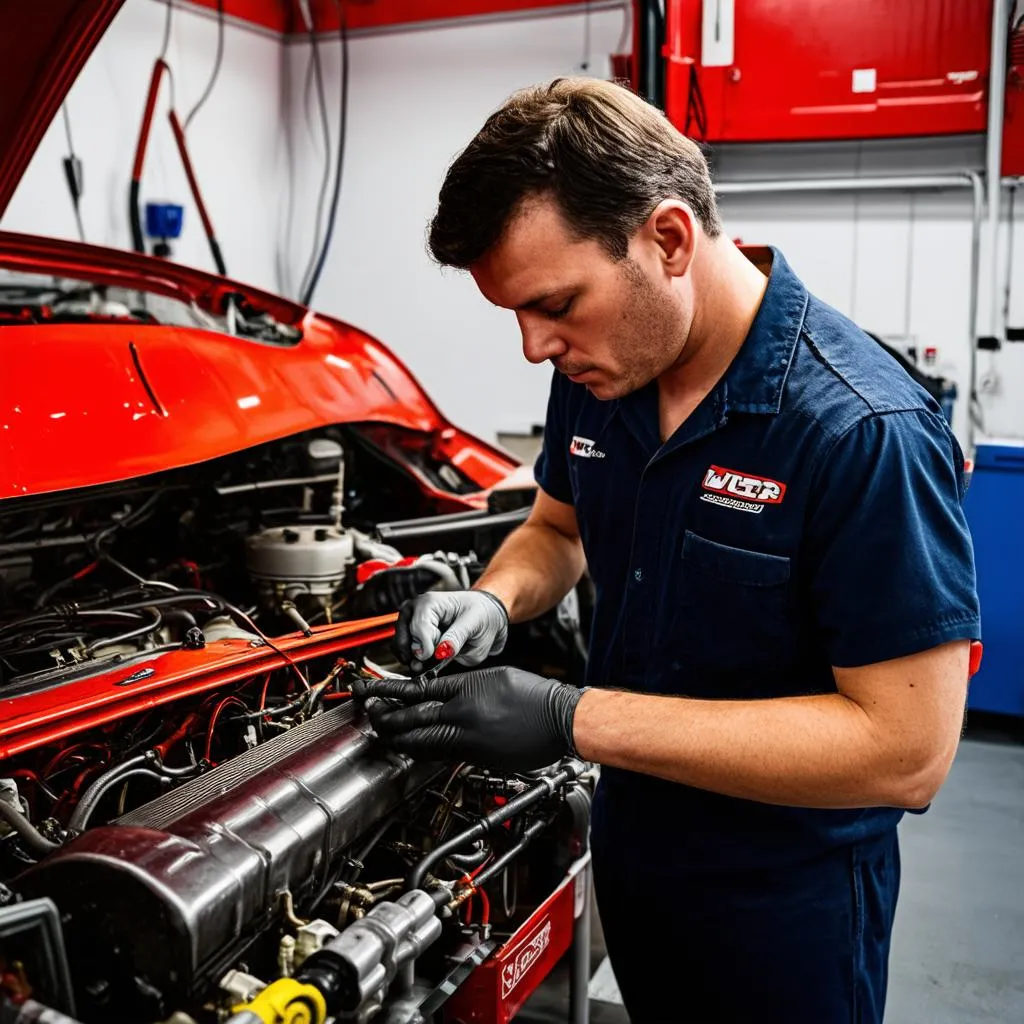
column 958, row 943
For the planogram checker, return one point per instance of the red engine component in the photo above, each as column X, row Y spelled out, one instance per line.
column 764, row 70
column 499, row 988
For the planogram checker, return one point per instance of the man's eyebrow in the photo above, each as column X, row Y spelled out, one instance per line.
column 541, row 299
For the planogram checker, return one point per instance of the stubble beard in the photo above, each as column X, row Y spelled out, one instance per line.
column 650, row 335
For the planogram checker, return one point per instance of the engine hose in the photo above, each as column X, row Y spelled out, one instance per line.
column 493, row 870
column 34, row 841
column 140, row 765
column 445, row 573
column 285, row 1001
column 144, row 630
column 544, row 788
column 469, row 861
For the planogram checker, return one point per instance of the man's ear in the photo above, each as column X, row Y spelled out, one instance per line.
column 672, row 230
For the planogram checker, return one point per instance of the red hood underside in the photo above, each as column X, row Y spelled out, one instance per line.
column 43, row 46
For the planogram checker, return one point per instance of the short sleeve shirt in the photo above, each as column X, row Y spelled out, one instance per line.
column 806, row 515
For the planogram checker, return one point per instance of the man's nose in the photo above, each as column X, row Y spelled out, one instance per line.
column 541, row 341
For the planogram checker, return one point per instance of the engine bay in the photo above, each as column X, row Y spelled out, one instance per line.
column 190, row 800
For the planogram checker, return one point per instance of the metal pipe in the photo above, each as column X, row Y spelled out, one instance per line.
column 650, row 40
column 545, row 787
column 923, row 182
column 972, row 313
column 579, row 967
column 994, row 145
column 892, row 183
column 463, row 21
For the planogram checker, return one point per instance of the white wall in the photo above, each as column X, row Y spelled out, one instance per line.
column 236, row 141
column 416, row 98
column 897, row 263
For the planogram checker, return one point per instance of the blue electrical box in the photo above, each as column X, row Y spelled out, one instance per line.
column 995, row 511
column 163, row 220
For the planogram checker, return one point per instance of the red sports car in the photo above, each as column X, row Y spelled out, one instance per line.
column 212, row 501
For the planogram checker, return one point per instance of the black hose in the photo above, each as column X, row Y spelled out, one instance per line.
column 414, row 880
column 469, row 861
column 144, row 630
column 135, row 218
column 138, row 765
column 101, row 606
column 34, row 841
column 506, row 858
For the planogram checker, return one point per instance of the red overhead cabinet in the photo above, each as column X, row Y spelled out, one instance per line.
column 774, row 70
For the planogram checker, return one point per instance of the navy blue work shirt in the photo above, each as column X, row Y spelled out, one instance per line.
column 806, row 515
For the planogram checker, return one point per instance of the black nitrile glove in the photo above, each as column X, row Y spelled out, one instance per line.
column 469, row 625
column 495, row 717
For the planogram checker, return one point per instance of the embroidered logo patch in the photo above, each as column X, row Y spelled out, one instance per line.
column 740, row 491
column 584, row 448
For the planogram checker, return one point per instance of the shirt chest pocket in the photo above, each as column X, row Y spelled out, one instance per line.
column 733, row 613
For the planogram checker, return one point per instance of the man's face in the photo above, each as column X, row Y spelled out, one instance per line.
column 611, row 325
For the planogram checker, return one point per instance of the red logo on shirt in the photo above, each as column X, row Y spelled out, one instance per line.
column 741, row 491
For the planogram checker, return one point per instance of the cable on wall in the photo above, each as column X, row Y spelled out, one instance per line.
column 216, row 66
column 340, row 159
column 316, row 67
column 167, row 31
column 73, row 173
column 585, row 62
column 1008, row 291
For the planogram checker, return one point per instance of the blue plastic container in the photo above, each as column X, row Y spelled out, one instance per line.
column 995, row 512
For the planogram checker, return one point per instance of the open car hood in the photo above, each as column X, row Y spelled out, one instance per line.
column 43, row 47
column 85, row 404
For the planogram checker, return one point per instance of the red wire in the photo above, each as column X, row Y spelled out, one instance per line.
column 213, row 722
column 164, row 747
column 263, row 693
column 270, row 643
column 485, row 903
column 82, row 573
column 51, row 765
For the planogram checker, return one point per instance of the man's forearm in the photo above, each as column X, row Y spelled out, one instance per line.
column 533, row 570
column 817, row 751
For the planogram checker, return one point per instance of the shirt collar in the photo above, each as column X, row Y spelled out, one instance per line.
column 755, row 379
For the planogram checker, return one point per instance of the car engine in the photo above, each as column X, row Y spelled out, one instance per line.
column 197, row 823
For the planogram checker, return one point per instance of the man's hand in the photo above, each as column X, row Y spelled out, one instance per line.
column 496, row 717
column 472, row 623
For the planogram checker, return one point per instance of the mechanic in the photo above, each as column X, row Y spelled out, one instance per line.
column 770, row 511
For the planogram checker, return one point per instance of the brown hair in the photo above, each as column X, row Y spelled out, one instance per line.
column 605, row 155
